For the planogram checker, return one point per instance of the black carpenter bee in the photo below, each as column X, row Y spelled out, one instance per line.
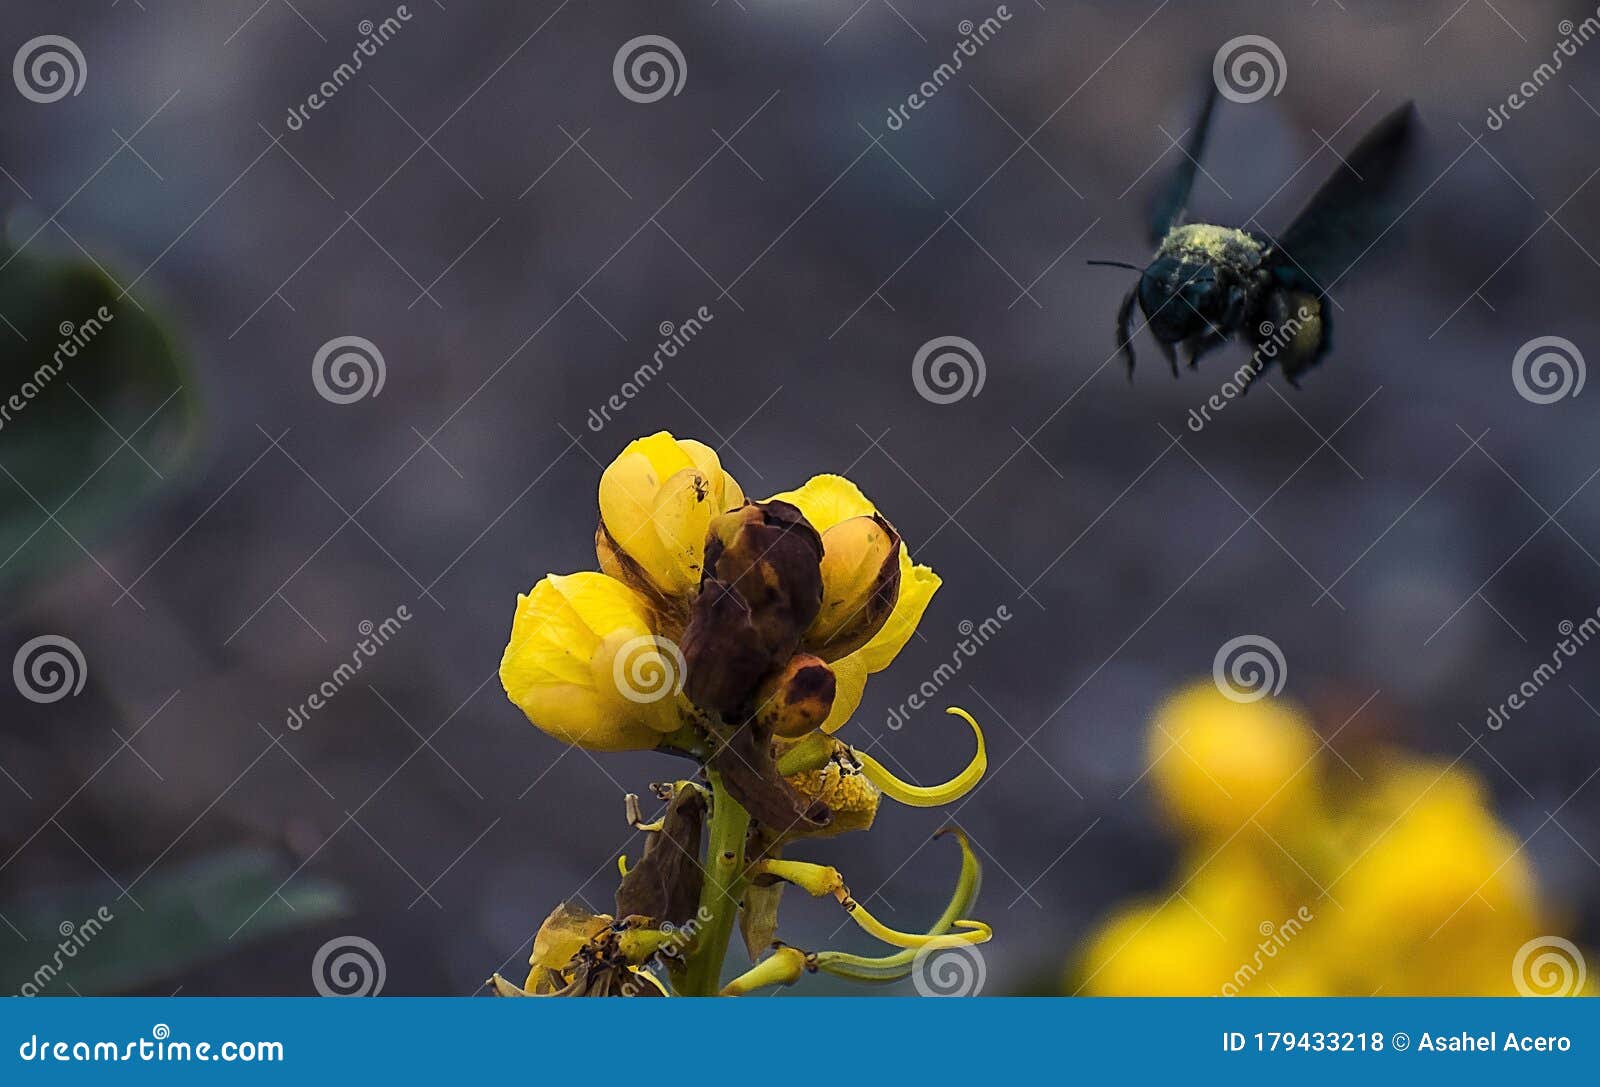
column 1208, row 283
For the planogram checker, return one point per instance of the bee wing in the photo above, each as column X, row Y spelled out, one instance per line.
column 1354, row 208
column 1169, row 208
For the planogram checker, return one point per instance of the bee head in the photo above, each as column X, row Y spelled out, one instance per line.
column 1182, row 298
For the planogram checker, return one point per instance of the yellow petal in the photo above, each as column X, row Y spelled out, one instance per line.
column 566, row 930
column 650, row 979
column 849, row 684
column 929, row 796
column 973, row 932
column 571, row 639
column 917, row 586
column 656, row 499
column 860, row 585
column 826, row 500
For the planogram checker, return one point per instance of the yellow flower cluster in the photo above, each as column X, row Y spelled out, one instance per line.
column 657, row 503
column 1297, row 880
column 739, row 634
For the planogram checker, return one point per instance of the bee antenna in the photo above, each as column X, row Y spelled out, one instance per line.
column 1115, row 264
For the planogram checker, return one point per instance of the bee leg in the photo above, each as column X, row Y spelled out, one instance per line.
column 1124, row 330
column 1171, row 355
column 1204, row 344
column 1254, row 372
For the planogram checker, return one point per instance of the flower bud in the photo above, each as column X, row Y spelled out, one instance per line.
column 583, row 665
column 762, row 589
column 860, row 584
column 828, row 501
column 796, row 699
column 656, row 501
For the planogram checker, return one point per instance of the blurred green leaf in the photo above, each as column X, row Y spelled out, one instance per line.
column 191, row 912
column 81, row 370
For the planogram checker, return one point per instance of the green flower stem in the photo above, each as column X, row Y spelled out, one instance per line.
column 720, row 894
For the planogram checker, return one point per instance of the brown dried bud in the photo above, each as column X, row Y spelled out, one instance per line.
column 797, row 698
column 762, row 588
column 743, row 756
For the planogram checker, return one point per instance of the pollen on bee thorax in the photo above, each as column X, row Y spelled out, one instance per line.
column 1207, row 241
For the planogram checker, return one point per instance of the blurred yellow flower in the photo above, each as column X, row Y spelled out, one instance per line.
column 1402, row 882
column 585, row 667
column 1219, row 763
column 1438, row 893
column 1156, row 950
column 832, row 504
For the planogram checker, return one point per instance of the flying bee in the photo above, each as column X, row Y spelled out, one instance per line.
column 1208, row 283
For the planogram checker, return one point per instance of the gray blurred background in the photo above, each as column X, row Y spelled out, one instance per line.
column 483, row 204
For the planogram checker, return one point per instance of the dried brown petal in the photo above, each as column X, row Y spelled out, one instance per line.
column 762, row 589
column 665, row 884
